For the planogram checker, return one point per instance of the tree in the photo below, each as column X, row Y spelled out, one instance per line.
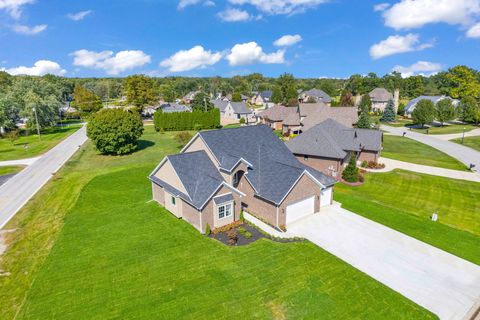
column 115, row 131
column 467, row 108
column 463, row 82
column 365, row 104
column 201, row 102
column 346, row 100
column 43, row 109
column 389, row 113
column 444, row 111
column 167, row 93
column 183, row 137
column 364, row 121
column 236, row 97
column 242, row 121
column 285, row 90
column 140, row 91
column 424, row 112
column 85, row 100
column 350, row 173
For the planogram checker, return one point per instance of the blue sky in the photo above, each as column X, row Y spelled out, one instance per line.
column 323, row 38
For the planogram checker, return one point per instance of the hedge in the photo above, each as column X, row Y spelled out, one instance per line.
column 180, row 121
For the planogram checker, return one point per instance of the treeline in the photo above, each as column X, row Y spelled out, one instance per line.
column 180, row 121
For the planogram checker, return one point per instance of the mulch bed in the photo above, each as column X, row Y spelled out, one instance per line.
column 242, row 240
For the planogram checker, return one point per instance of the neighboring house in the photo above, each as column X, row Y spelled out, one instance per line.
column 380, row 98
column 263, row 98
column 328, row 146
column 228, row 97
column 221, row 172
column 175, row 107
column 233, row 110
column 413, row 103
column 315, row 95
column 188, row 99
column 275, row 116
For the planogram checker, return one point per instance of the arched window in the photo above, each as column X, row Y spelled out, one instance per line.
column 237, row 176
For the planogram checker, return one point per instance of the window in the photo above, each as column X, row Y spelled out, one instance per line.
column 225, row 211
column 174, row 201
column 305, row 157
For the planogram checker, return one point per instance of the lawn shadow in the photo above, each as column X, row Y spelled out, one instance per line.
column 144, row 144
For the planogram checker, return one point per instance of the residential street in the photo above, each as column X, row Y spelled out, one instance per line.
column 19, row 189
column 442, row 283
column 457, row 151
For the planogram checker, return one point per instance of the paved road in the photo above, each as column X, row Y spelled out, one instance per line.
column 472, row 133
column 391, row 164
column 442, row 283
column 19, row 189
column 455, row 150
column 21, row 162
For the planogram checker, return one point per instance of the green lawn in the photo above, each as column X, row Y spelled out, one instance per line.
column 405, row 201
column 408, row 150
column 10, row 170
column 35, row 145
column 97, row 248
column 232, row 125
column 447, row 129
column 472, row 142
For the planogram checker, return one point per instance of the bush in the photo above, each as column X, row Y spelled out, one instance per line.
column 242, row 120
column 242, row 218
column 115, row 131
column 364, row 164
column 183, row 137
column 350, row 174
column 207, row 230
column 181, row 121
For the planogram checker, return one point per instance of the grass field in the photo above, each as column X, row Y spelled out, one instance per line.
column 472, row 142
column 447, row 129
column 10, row 170
column 35, row 145
column 408, row 150
column 90, row 245
column 405, row 201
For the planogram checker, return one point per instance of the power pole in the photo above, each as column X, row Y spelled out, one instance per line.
column 36, row 120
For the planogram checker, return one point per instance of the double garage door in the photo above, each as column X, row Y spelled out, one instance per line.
column 305, row 207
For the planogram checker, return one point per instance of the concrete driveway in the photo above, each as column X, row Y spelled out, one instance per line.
column 440, row 282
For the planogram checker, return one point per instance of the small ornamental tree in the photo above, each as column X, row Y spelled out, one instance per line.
column 350, row 174
column 424, row 112
column 365, row 104
column 364, row 121
column 389, row 113
column 85, row 100
column 115, row 131
column 346, row 100
column 242, row 120
column 467, row 108
column 444, row 111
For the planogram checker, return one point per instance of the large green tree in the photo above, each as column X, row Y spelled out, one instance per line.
column 365, row 104
column 466, row 109
column 364, row 121
column 285, row 89
column 444, row 111
column 85, row 100
column 140, row 90
column 201, row 102
column 389, row 113
column 424, row 112
column 463, row 82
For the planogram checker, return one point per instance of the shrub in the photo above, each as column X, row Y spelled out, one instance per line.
column 242, row 120
column 242, row 218
column 181, row 121
column 361, row 178
column 207, row 230
column 232, row 237
column 115, row 131
column 350, row 174
column 183, row 137
column 364, row 164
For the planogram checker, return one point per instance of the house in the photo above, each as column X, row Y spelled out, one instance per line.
column 312, row 114
column 329, row 145
column 380, row 98
column 175, row 107
column 274, row 116
column 188, row 98
column 221, row 172
column 435, row 99
column 243, row 97
column 233, row 110
column 262, row 98
column 314, row 96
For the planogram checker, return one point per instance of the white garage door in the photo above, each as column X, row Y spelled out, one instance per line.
column 326, row 197
column 300, row 209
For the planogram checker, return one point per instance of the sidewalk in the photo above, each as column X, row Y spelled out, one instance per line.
column 21, row 162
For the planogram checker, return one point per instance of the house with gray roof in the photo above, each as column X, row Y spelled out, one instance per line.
column 329, row 145
column 233, row 110
column 221, row 172
column 175, row 107
column 315, row 96
column 262, row 98
column 380, row 98
column 188, row 98
column 435, row 99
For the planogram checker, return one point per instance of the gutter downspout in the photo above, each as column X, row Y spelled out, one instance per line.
column 277, row 218
column 201, row 224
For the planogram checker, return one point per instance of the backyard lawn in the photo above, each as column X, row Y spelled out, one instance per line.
column 408, row 150
column 31, row 145
column 97, row 248
column 472, row 142
column 405, row 201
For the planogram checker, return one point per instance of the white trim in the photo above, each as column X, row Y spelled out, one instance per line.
column 204, row 142
column 305, row 172
column 221, row 185
column 162, row 163
column 158, row 166
column 232, row 208
column 250, row 183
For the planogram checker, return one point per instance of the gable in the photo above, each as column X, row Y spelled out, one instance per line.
column 197, row 144
column 167, row 173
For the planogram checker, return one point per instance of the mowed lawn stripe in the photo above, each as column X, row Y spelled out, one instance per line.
column 118, row 256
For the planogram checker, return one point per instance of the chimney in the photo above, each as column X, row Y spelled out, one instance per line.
column 358, row 99
column 396, row 99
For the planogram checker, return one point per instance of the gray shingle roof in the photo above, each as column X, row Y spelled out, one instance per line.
column 319, row 95
column 220, row 104
column 380, row 95
column 331, row 139
column 267, row 94
column 412, row 103
column 273, row 169
column 240, row 108
column 277, row 112
column 175, row 107
column 222, row 199
column 319, row 112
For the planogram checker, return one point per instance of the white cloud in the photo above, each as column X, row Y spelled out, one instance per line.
column 40, row 68
column 474, row 31
column 408, row 14
column 185, row 3
column 79, row 15
column 381, row 7
column 234, row 15
column 251, row 52
column 281, row 6
column 398, row 44
column 288, row 40
column 196, row 57
column 112, row 64
column 23, row 29
column 424, row 68
column 14, row 7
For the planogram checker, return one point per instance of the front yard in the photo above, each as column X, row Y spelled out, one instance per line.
column 446, row 129
column 408, row 150
column 472, row 142
column 97, row 248
column 404, row 201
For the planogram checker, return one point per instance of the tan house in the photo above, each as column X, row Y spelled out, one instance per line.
column 328, row 146
column 221, row 172
column 276, row 115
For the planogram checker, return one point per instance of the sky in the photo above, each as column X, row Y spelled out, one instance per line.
column 308, row 38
